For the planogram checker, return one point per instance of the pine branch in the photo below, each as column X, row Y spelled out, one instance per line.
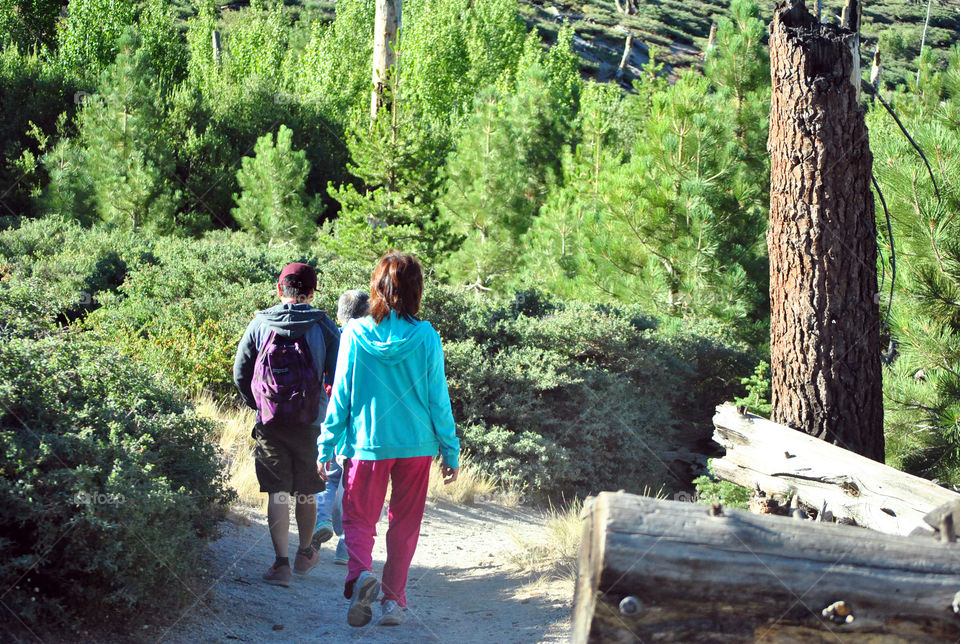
column 870, row 88
column 893, row 251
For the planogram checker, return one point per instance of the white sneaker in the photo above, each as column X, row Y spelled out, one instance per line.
column 365, row 592
column 391, row 614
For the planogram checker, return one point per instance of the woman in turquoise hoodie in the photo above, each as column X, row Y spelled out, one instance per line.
column 390, row 412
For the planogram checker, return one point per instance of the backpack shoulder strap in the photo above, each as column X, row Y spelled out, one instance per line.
column 266, row 343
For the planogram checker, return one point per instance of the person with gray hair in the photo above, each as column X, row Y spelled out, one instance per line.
column 352, row 304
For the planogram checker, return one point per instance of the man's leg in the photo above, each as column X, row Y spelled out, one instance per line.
column 275, row 475
column 306, row 513
column 365, row 486
column 408, row 496
column 278, row 518
column 328, row 520
column 302, row 446
column 326, row 499
column 335, row 474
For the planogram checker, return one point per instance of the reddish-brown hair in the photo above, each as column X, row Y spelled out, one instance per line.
column 396, row 285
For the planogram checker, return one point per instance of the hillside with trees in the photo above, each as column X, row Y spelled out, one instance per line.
column 594, row 241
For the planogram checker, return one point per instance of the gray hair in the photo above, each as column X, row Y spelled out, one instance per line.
column 352, row 304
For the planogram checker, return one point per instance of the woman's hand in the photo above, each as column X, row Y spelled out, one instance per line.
column 322, row 471
column 450, row 474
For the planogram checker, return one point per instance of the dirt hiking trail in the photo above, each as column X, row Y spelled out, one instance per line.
column 461, row 587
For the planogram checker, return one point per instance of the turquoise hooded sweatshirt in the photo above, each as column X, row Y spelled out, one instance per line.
column 389, row 396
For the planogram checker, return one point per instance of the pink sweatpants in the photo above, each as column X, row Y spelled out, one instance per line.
column 365, row 487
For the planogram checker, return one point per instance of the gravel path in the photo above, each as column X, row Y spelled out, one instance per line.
column 460, row 588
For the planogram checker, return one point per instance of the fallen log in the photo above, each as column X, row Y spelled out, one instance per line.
column 670, row 571
column 781, row 460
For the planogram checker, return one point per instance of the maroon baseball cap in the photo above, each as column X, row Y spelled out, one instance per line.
column 301, row 276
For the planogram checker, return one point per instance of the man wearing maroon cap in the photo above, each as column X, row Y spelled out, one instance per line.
column 286, row 452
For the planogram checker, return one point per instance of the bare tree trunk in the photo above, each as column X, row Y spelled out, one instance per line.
column 923, row 39
column 625, row 59
column 385, row 32
column 824, row 319
column 852, row 11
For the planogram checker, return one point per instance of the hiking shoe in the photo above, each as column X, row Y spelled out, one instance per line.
column 278, row 576
column 365, row 592
column 304, row 564
column 322, row 534
column 341, row 557
column 391, row 614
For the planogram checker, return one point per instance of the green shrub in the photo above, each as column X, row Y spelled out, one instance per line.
column 70, row 267
column 183, row 312
column 565, row 398
column 757, row 399
column 22, row 313
column 32, row 97
column 711, row 490
column 109, row 485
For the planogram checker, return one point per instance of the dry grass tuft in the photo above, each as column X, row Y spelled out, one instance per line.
column 552, row 556
column 237, row 445
column 471, row 485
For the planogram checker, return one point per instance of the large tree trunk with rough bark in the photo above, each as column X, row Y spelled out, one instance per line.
column 386, row 30
column 825, row 320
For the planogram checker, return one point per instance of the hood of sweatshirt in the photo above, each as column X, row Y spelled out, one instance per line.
column 291, row 320
column 391, row 341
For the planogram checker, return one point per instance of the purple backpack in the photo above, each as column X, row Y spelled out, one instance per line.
column 286, row 386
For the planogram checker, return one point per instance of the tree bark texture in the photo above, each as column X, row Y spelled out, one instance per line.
column 825, row 319
column 385, row 33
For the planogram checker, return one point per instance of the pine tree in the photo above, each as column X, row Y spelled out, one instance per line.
column 117, row 157
column 491, row 196
column 507, row 157
column 657, row 223
column 272, row 201
column 558, row 256
column 739, row 68
column 397, row 161
column 922, row 379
